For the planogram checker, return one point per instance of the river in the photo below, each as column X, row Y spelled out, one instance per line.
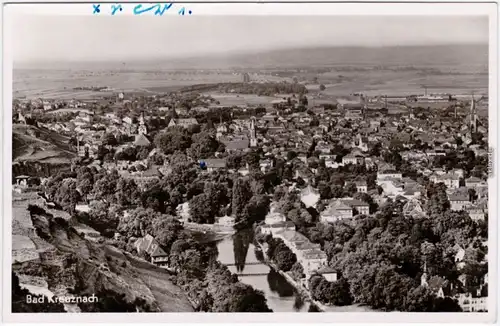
column 241, row 257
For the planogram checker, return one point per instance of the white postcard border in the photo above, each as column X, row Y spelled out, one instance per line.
column 372, row 8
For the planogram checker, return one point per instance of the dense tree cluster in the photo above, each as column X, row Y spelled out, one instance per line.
column 268, row 89
column 224, row 293
column 333, row 293
column 279, row 253
column 173, row 139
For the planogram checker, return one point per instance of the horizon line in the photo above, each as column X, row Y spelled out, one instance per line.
column 240, row 52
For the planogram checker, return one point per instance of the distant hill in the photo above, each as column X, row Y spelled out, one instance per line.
column 473, row 57
column 449, row 55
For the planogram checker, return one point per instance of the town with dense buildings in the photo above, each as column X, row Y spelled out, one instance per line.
column 372, row 201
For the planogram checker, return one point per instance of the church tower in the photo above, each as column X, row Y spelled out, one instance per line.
column 142, row 127
column 253, row 133
column 473, row 115
column 412, row 114
column 423, row 278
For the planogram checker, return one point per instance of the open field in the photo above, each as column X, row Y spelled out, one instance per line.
column 241, row 99
column 455, row 69
column 59, row 84
column 395, row 83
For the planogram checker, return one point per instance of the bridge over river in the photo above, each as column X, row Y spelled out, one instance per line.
column 239, row 254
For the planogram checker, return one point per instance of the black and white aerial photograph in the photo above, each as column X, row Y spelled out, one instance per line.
column 263, row 164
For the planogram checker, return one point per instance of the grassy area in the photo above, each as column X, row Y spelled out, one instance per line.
column 241, row 99
column 40, row 145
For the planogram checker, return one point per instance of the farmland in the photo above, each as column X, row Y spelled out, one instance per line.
column 59, row 84
column 453, row 69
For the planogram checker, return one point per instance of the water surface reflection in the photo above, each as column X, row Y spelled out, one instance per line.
column 242, row 257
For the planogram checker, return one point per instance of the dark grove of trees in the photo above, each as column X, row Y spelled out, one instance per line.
column 281, row 254
column 268, row 89
column 334, row 293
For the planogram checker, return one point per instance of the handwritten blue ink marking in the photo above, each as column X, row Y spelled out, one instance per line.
column 96, row 9
column 165, row 8
column 115, row 8
column 159, row 10
column 138, row 10
column 183, row 10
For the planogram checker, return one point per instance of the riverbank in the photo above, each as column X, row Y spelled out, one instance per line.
column 305, row 293
column 215, row 229
column 298, row 287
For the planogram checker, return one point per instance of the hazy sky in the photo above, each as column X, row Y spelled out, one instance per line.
column 74, row 38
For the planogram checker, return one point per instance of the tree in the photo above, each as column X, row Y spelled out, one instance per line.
column 201, row 210
column 102, row 217
column 297, row 271
column 173, row 139
column 203, row 145
column 350, row 189
column 285, row 259
column 129, row 153
column 167, row 230
column 313, row 308
column 241, row 195
column 109, row 139
column 290, row 155
column 420, row 299
column 336, row 293
column 67, row 195
column 127, row 192
column 322, row 87
column 252, row 159
column 256, row 209
column 234, row 161
column 246, row 299
column 155, row 197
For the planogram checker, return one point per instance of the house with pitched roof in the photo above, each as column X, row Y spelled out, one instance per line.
column 474, row 183
column 277, row 227
column 212, row 164
column 385, row 174
column 239, row 144
column 150, row 246
column 449, row 179
column 361, row 186
column 459, row 201
column 352, row 158
column 475, row 212
column 358, row 206
column 337, row 210
column 185, row 123
column 414, row 209
column 141, row 140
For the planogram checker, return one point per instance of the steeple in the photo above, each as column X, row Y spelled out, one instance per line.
column 473, row 114
column 253, row 133
column 423, row 278
column 142, row 130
